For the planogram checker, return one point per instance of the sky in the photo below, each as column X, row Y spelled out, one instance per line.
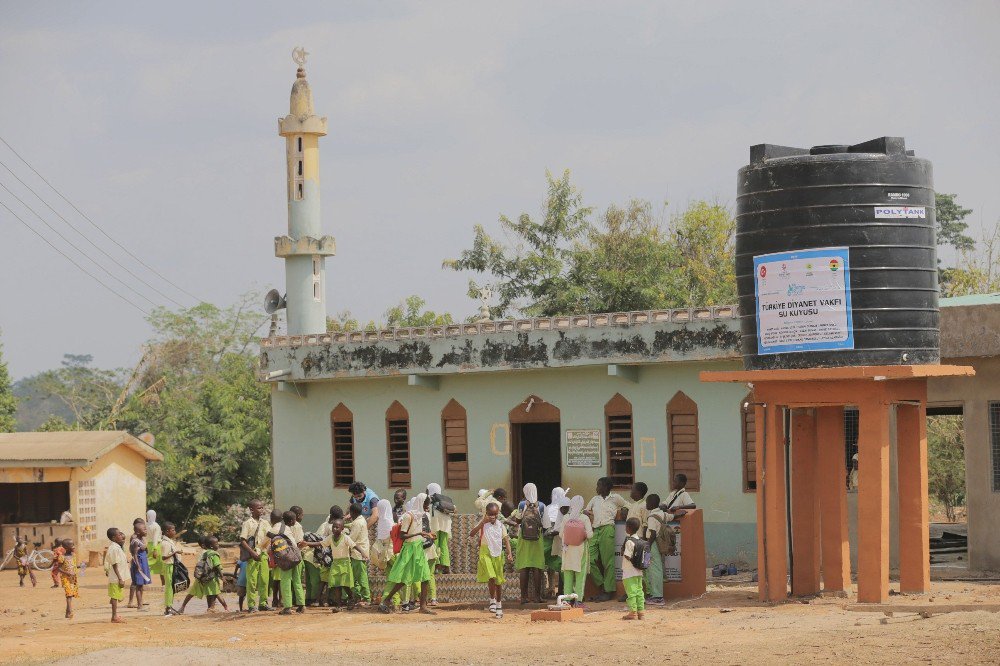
column 158, row 120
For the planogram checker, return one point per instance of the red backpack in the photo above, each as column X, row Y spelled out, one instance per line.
column 397, row 539
column 574, row 532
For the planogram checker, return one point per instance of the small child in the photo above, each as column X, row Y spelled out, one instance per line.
column 57, row 550
column 211, row 587
column 275, row 573
column 240, row 571
column 340, row 581
column 631, row 576
column 493, row 539
column 168, row 557
column 290, row 581
column 115, row 565
column 398, row 505
column 655, row 523
column 359, row 558
column 21, row 555
column 68, row 574
column 139, row 568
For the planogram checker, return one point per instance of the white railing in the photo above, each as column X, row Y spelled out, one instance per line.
column 616, row 319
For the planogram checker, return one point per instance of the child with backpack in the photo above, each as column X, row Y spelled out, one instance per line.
column 167, row 554
column 274, row 573
column 442, row 509
column 601, row 510
column 411, row 565
column 359, row 558
column 340, row 580
column 552, row 544
column 493, row 538
column 530, row 558
column 207, row 577
column 575, row 532
column 635, row 560
column 253, row 539
column 286, row 538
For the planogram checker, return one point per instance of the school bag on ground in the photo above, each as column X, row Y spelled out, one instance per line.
column 442, row 503
column 641, row 553
column 204, row 572
column 574, row 532
column 531, row 522
column 284, row 552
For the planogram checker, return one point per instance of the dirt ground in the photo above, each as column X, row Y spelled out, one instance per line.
column 727, row 626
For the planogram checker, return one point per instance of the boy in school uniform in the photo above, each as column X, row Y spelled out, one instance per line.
column 68, row 574
column 631, row 576
column 601, row 510
column 679, row 501
column 274, row 581
column 115, row 566
column 359, row 557
column 655, row 522
column 253, row 539
column 168, row 557
column 637, row 509
column 290, row 581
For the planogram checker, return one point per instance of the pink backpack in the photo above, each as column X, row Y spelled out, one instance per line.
column 574, row 532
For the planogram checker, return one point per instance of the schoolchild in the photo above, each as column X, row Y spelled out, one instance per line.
column 441, row 528
column 290, row 580
column 601, row 510
column 253, row 542
column 359, row 558
column 274, row 583
column 529, row 559
column 168, row 558
column 493, row 539
column 340, row 581
column 411, row 565
column 552, row 544
column 115, row 566
column 655, row 532
column 575, row 533
column 209, row 585
column 139, row 568
column 632, row 576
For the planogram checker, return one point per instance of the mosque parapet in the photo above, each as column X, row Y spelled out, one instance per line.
column 687, row 334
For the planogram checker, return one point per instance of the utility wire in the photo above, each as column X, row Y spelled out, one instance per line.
column 98, row 227
column 87, row 256
column 86, row 238
column 49, row 243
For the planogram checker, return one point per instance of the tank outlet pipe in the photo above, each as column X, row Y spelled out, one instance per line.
column 561, row 599
column 277, row 374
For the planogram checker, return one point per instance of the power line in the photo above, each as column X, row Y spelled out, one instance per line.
column 49, row 243
column 70, row 243
column 98, row 227
column 84, row 236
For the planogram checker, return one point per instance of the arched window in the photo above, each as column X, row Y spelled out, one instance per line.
column 682, row 429
column 621, row 442
column 748, row 425
column 397, row 433
column 342, row 430
column 455, row 437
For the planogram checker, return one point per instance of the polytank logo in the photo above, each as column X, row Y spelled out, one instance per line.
column 900, row 212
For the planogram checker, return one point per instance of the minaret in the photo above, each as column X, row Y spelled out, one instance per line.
column 304, row 249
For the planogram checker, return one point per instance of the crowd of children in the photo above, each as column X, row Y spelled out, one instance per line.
column 566, row 541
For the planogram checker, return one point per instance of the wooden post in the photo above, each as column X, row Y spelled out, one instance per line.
column 911, row 469
column 772, row 540
column 831, row 482
column 873, row 498
column 805, row 504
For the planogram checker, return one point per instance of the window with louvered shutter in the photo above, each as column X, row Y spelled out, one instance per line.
column 342, row 431
column 748, row 420
column 397, row 428
column 455, row 437
column 682, row 430
column 618, row 422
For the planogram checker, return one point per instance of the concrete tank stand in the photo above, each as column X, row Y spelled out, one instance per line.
column 816, row 398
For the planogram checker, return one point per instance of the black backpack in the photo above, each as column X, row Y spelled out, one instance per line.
column 427, row 528
column 181, row 580
column 204, row 572
column 531, row 522
column 442, row 503
column 642, row 555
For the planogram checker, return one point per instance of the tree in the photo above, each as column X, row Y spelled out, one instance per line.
column 946, row 462
column 977, row 270
column 8, row 403
column 950, row 225
column 56, row 423
column 88, row 392
column 411, row 312
column 704, row 238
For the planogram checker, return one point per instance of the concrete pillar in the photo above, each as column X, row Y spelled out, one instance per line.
column 873, row 499
column 772, row 540
column 805, row 504
column 911, row 472
column 831, row 485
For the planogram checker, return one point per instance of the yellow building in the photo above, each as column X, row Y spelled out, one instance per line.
column 98, row 477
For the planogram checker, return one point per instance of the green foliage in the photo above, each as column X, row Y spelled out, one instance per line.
column 411, row 312
column 978, row 269
column 564, row 264
column 950, row 225
column 88, row 393
column 56, row 423
column 946, row 461
column 8, row 402
column 231, row 522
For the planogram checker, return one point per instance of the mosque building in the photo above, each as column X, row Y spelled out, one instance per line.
column 559, row 401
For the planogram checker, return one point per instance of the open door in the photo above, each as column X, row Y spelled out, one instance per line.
column 536, row 447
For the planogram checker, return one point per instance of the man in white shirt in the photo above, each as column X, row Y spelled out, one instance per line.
column 601, row 510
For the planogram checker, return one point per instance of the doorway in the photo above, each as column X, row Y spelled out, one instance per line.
column 949, row 529
column 536, row 447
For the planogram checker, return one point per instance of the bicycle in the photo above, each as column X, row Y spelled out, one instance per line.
column 41, row 560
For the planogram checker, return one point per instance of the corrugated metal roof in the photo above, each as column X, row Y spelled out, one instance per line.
column 75, row 448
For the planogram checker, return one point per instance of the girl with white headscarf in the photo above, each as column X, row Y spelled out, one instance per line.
column 410, row 566
column 440, row 527
column 552, row 544
column 153, row 536
column 493, row 539
column 381, row 551
column 529, row 558
column 575, row 559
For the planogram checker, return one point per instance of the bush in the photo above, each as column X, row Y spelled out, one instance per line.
column 231, row 522
column 206, row 524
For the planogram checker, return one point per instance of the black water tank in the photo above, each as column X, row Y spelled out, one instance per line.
column 865, row 210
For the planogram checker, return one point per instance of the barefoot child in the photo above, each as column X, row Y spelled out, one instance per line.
column 168, row 557
column 57, row 550
column 359, row 558
column 114, row 567
column 21, row 557
column 67, row 572
column 493, row 539
column 410, row 566
column 207, row 577
column 340, row 581
column 575, row 533
column 140, row 563
column 632, row 576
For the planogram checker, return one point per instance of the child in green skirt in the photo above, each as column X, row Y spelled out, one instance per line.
column 575, row 561
column 211, row 587
column 530, row 558
column 340, row 580
column 410, row 566
column 493, row 538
